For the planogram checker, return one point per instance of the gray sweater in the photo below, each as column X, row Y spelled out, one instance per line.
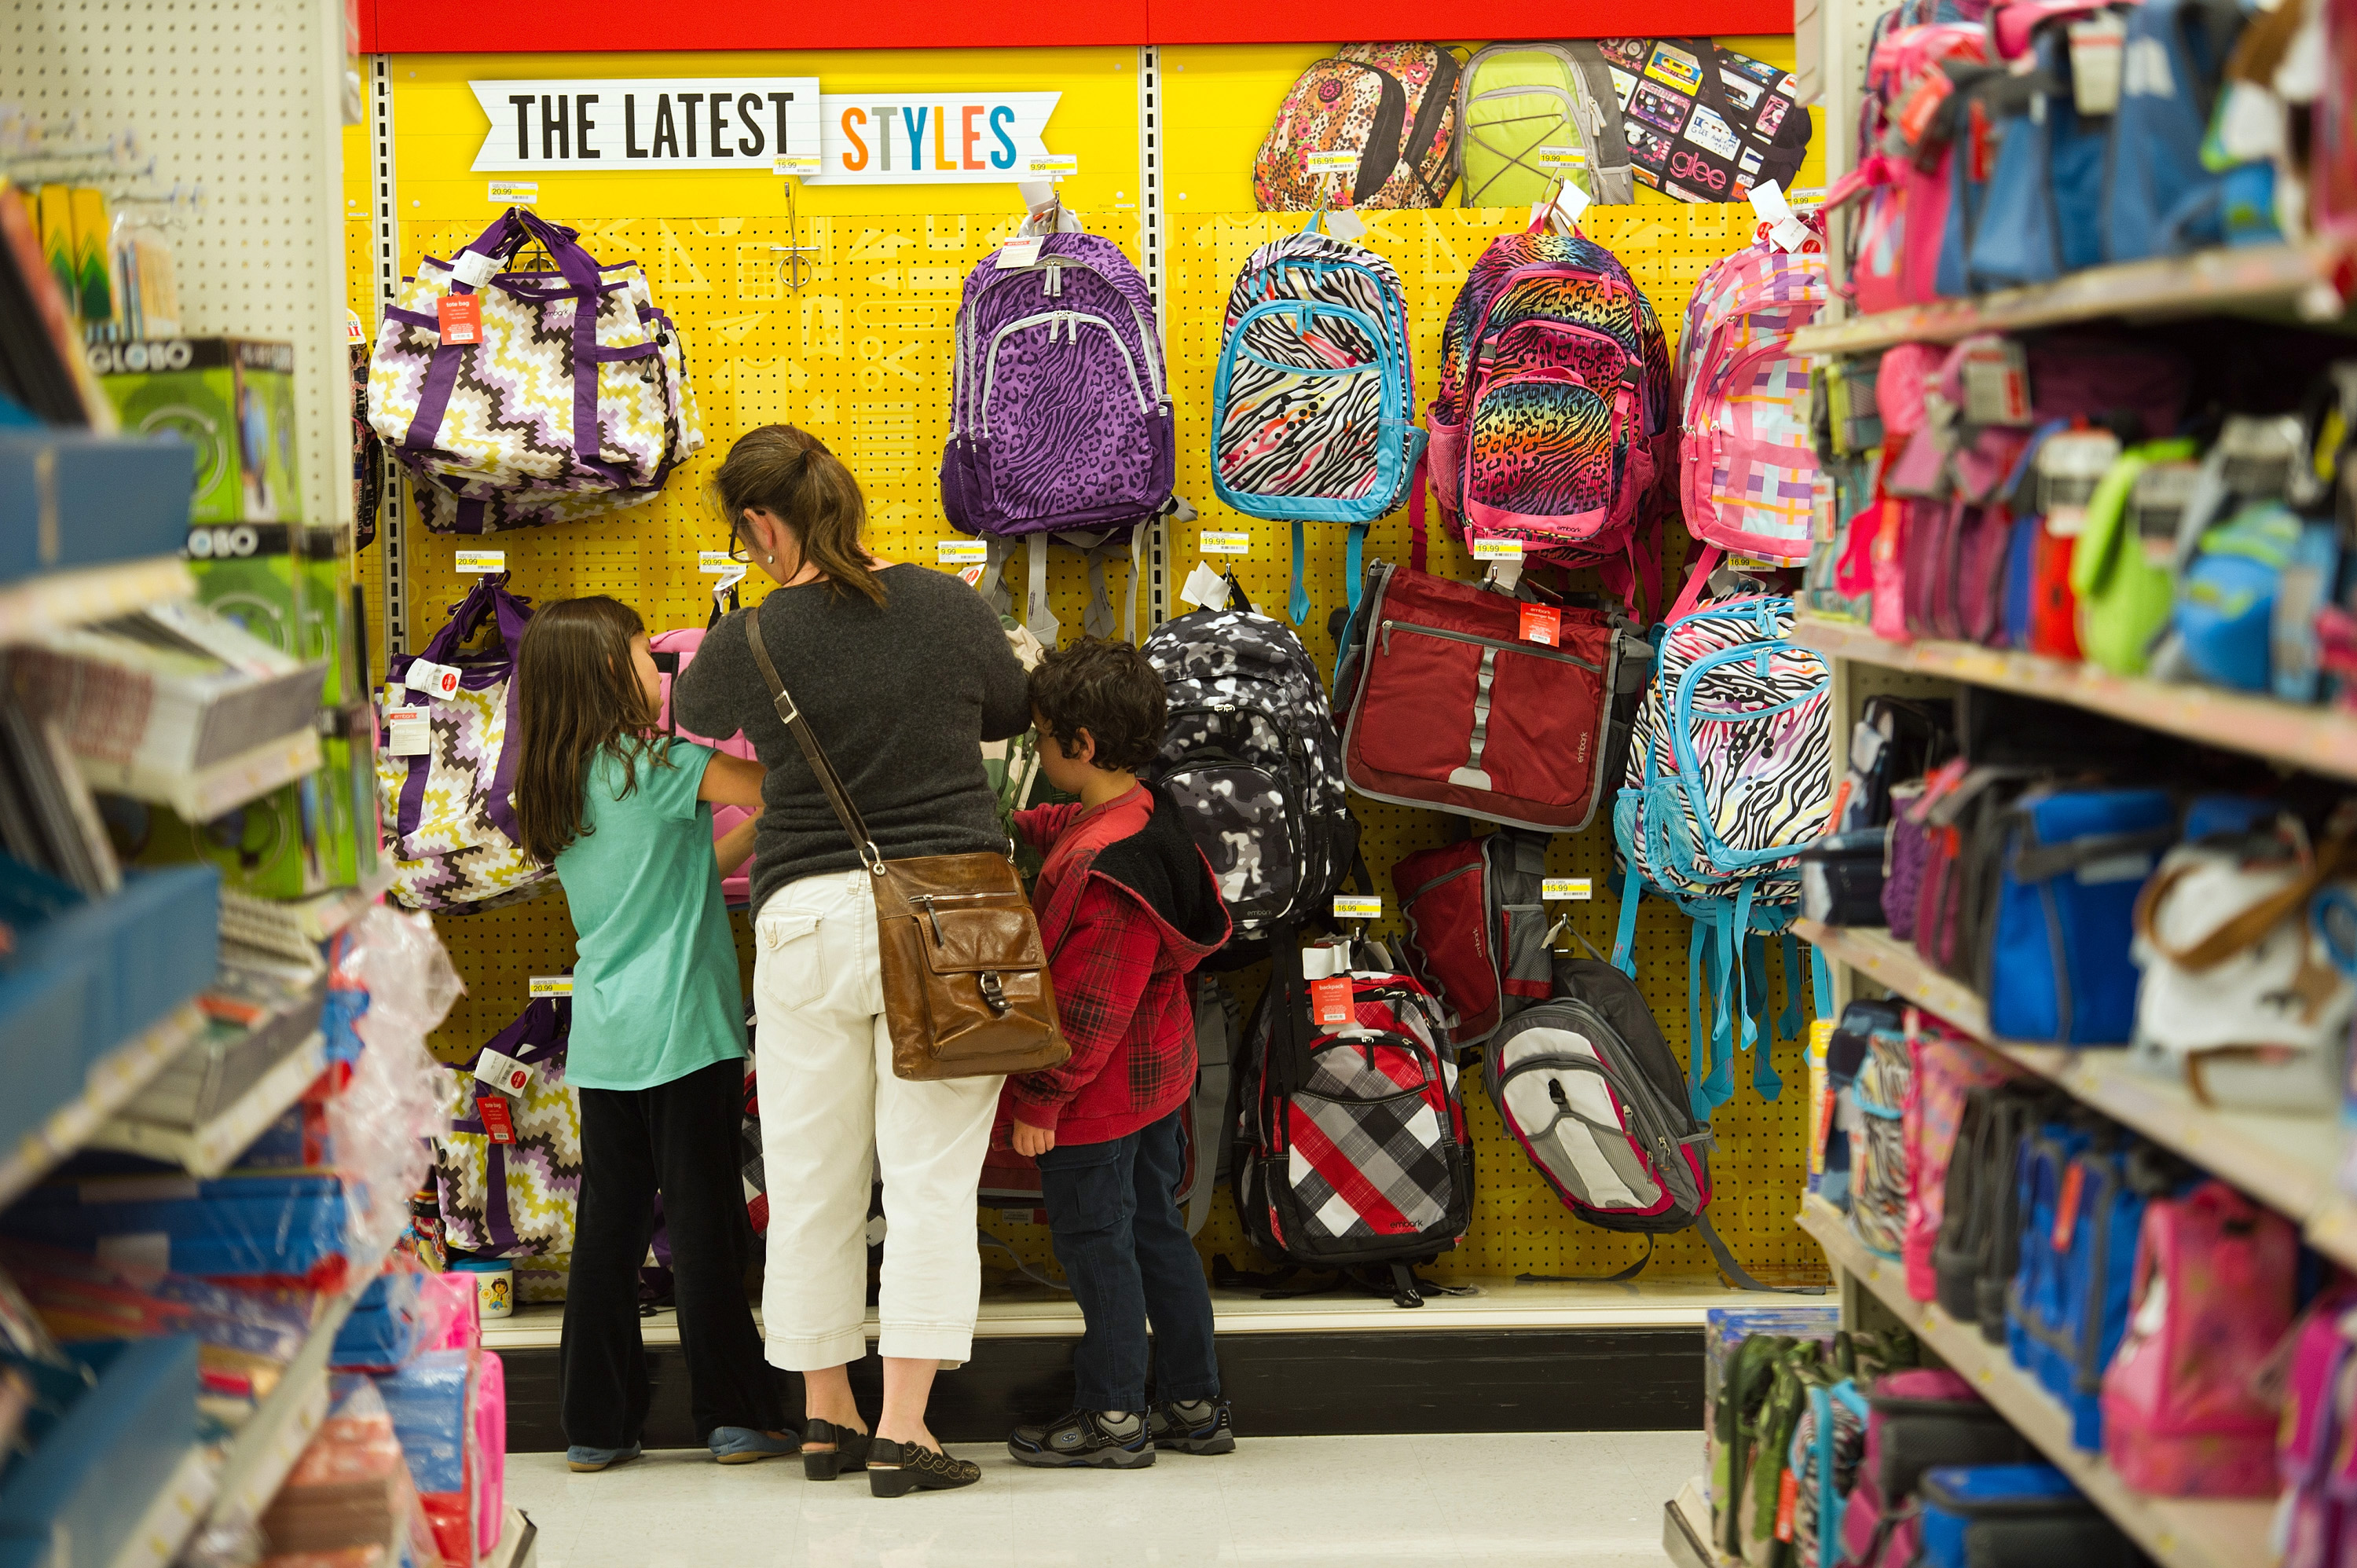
column 901, row 699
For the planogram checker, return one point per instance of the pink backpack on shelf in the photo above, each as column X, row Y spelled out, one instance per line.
column 674, row 651
column 2211, row 1300
column 491, row 1450
column 1914, row 1418
column 1947, row 1067
column 2313, row 1456
column 1746, row 467
column 1896, row 237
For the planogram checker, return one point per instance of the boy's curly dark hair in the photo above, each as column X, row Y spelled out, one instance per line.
column 1107, row 689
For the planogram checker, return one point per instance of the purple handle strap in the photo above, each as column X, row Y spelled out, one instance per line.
column 537, row 1037
column 489, row 597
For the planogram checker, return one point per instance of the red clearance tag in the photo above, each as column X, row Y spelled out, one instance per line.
column 2066, row 1205
column 462, row 317
column 1787, row 1499
column 1542, row 623
column 499, row 1121
column 1330, row 1002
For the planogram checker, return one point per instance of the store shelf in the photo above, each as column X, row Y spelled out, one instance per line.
column 2219, row 281
column 1686, row 1530
column 2288, row 1162
column 518, row 1545
column 274, row 1436
column 2178, row 1532
column 2321, row 739
column 209, row 1149
column 209, row 792
column 34, row 607
column 112, row 1084
column 172, row 1518
column 294, row 928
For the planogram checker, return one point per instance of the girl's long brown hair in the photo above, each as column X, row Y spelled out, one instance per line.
column 577, row 694
column 789, row 474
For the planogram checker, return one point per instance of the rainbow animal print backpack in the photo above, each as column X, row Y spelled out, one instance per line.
column 1553, row 421
column 1313, row 405
column 1730, row 774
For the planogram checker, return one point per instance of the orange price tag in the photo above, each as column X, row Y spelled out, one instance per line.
column 1542, row 623
column 462, row 317
column 2066, row 1205
column 1787, row 1499
column 1330, row 1002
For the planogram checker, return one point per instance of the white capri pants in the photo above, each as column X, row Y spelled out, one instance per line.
column 832, row 1114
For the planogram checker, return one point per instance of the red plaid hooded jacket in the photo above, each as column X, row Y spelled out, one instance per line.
column 1127, row 907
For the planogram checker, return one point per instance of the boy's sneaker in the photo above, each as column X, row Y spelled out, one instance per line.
column 1085, row 1437
column 1192, row 1427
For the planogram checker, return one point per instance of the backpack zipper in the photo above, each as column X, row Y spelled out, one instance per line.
column 1536, row 650
column 1057, row 264
column 1068, row 322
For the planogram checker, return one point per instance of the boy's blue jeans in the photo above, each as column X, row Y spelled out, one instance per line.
column 1114, row 1209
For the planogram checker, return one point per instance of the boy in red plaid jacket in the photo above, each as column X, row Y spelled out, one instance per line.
column 1127, row 907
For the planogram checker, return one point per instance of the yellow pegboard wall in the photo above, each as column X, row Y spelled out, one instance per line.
column 1519, row 1225
column 861, row 355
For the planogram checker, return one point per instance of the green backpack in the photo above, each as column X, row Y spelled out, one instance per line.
column 2125, row 592
column 1526, row 112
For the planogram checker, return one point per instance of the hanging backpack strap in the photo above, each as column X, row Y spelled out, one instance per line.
column 1354, row 564
column 1792, row 1026
column 1631, row 1273
column 1037, row 615
column 1414, row 523
column 992, row 584
column 1297, row 606
column 1136, row 574
column 1624, row 939
column 990, row 1244
column 1697, row 581
column 1735, row 1273
column 1214, row 1055
column 1097, row 619
column 1611, row 178
column 1821, row 981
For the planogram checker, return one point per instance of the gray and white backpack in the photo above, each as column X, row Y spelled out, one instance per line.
column 1251, row 758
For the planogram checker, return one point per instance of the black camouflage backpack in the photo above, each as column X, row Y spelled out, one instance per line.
column 1251, row 758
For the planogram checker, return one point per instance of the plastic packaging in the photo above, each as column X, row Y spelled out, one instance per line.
column 491, row 1450
column 432, row 1405
column 391, row 1104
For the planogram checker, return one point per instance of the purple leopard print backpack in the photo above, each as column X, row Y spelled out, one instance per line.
column 1061, row 421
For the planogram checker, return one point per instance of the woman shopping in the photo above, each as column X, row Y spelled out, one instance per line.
column 902, row 673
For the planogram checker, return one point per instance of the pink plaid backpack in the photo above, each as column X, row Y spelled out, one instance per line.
column 1748, row 471
column 2212, row 1298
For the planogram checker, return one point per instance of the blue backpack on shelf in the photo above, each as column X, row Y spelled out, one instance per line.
column 2159, row 197
column 2071, row 865
column 2041, row 214
column 2070, row 1303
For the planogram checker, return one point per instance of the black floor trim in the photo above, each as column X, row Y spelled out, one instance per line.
column 1283, row 1385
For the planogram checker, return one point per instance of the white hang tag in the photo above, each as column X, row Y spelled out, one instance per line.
column 1563, row 213
column 1346, row 225
column 435, row 679
column 1785, row 231
column 503, row 1072
column 409, row 732
column 2096, row 46
column 1205, row 587
column 1019, row 252
column 1996, row 383
column 473, row 268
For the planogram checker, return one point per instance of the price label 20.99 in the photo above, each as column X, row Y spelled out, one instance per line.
column 551, row 985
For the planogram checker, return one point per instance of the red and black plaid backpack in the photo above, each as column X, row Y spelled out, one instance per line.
column 1350, row 1141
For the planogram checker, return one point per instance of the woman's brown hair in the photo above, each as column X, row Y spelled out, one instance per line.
column 577, row 694
column 789, row 474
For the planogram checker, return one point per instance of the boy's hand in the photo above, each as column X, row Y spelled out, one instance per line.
column 1032, row 1142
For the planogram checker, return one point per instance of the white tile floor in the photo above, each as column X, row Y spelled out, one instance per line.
column 1581, row 1500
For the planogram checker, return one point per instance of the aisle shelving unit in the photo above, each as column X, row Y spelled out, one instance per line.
column 31, row 607
column 120, row 1074
column 171, row 1518
column 2178, row 1532
column 2323, row 740
column 213, row 1146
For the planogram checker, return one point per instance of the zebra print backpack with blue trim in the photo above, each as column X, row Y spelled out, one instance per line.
column 1313, row 405
column 1730, row 775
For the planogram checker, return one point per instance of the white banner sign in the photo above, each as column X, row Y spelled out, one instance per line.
column 863, row 138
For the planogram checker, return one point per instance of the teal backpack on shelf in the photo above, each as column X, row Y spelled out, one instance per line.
column 1731, row 776
column 1313, row 404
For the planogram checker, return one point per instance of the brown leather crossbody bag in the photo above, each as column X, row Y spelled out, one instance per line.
column 966, row 991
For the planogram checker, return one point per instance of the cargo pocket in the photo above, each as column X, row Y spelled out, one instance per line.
column 1525, row 967
column 789, row 971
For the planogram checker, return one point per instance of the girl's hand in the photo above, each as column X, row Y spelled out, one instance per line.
column 733, row 847
column 1032, row 1142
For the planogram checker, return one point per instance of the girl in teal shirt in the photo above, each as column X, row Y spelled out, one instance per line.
column 657, row 1043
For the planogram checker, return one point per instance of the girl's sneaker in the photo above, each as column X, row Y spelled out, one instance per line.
column 1085, row 1437
column 1192, row 1427
column 584, row 1461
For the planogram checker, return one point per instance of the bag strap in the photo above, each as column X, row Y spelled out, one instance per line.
column 814, row 753
column 2250, row 926
column 1611, row 180
column 1214, row 1057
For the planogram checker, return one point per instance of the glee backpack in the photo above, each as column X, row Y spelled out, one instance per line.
column 1351, row 1147
column 1746, row 467
column 1251, row 758
column 1552, row 421
column 1059, row 418
column 1313, row 404
column 1395, row 105
column 1731, row 776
